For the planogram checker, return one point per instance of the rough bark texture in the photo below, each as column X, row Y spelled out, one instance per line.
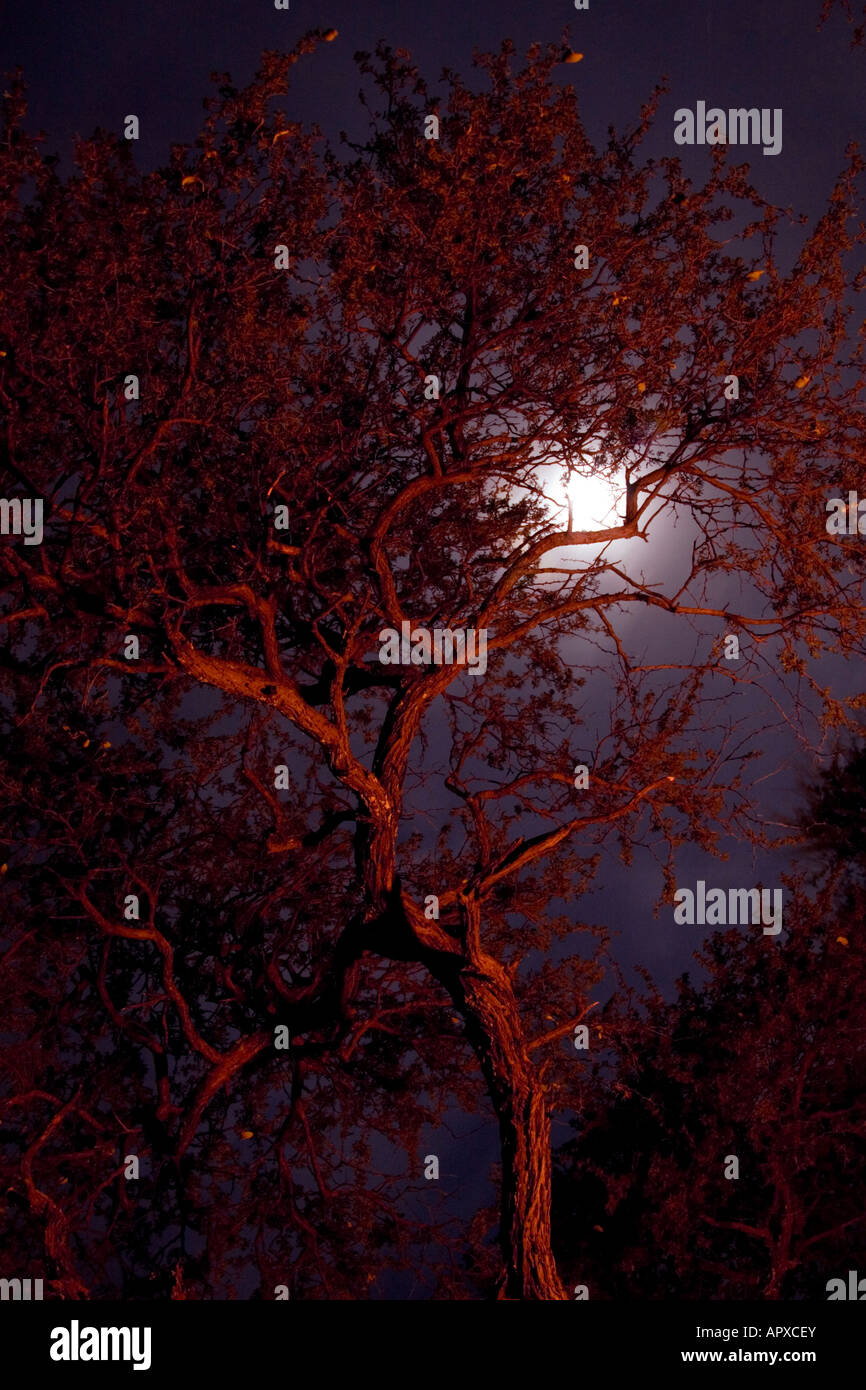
column 482, row 991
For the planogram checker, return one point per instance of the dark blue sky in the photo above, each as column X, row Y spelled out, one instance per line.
column 91, row 62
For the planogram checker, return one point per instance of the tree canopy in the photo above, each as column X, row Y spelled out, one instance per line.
column 280, row 399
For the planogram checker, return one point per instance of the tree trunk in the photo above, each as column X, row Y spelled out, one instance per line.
column 482, row 990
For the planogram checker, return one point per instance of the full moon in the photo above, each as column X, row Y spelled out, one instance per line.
column 593, row 501
column 592, row 496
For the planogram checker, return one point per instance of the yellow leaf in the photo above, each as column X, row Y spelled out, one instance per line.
column 571, row 57
column 802, row 381
column 641, row 386
column 755, row 274
column 190, row 178
column 329, row 35
column 106, row 744
column 3, row 868
column 246, row 1134
column 843, row 940
column 279, row 135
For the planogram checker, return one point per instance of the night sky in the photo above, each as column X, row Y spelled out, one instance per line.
column 88, row 64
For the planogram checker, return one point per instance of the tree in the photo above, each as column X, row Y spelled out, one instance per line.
column 222, row 377
column 762, row 1058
